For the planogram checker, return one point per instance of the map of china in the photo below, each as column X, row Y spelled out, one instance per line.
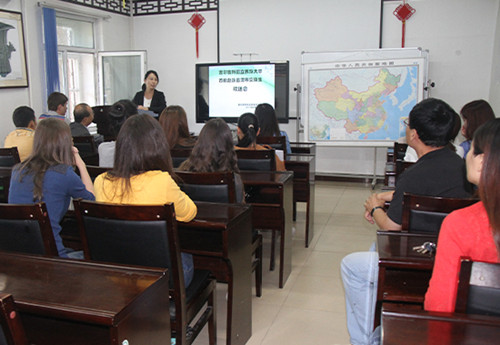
column 362, row 111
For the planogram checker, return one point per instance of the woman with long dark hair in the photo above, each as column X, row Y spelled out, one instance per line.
column 149, row 98
column 174, row 122
column 142, row 174
column 473, row 231
column 269, row 126
column 474, row 113
column 47, row 175
column 247, row 131
column 214, row 151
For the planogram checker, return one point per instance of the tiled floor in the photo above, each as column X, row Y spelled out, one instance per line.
column 310, row 308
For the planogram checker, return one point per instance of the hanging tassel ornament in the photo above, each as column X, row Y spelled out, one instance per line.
column 197, row 21
column 403, row 12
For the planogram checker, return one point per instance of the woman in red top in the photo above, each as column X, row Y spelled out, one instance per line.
column 475, row 230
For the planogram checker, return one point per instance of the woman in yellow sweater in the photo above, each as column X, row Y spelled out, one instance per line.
column 143, row 175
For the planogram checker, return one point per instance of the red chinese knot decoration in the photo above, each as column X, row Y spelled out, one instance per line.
column 403, row 12
column 197, row 21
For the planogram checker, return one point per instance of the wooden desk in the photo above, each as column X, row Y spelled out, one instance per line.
column 64, row 301
column 298, row 147
column 404, row 274
column 220, row 239
column 420, row 327
column 304, row 170
column 271, row 197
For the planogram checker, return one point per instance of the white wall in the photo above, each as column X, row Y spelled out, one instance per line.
column 460, row 35
column 495, row 70
column 116, row 36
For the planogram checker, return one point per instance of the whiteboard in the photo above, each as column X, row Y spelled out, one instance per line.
column 360, row 98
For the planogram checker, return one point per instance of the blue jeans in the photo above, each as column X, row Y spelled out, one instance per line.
column 360, row 277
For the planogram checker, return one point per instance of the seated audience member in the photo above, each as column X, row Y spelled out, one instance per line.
column 473, row 231
column 143, row 175
column 119, row 112
column 438, row 172
column 474, row 113
column 411, row 154
column 57, row 104
column 268, row 122
column 247, row 131
column 47, row 175
column 174, row 122
column 214, row 151
column 84, row 115
column 22, row 137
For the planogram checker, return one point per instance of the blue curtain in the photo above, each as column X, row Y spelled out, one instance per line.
column 51, row 60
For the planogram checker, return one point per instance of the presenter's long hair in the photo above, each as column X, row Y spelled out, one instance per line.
column 141, row 146
column 487, row 142
column 174, row 122
column 249, row 127
column 268, row 121
column 214, row 150
column 52, row 145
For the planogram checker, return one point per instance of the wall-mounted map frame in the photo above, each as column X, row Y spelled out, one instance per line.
column 362, row 98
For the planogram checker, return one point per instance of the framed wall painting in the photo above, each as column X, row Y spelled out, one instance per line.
column 13, row 71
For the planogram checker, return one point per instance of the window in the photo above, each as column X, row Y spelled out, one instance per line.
column 77, row 55
column 115, row 83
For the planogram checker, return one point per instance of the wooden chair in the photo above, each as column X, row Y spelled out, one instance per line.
column 220, row 187
column 101, row 119
column 26, row 229
column 10, row 320
column 259, row 160
column 424, row 214
column 399, row 151
column 5, row 173
column 95, row 171
column 478, row 288
column 87, row 148
column 179, row 156
column 147, row 236
column 9, row 157
column 277, row 143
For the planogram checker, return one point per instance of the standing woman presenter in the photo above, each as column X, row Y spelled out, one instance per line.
column 150, row 98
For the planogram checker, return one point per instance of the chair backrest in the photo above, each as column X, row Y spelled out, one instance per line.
column 208, row 186
column 10, row 320
column 26, row 229
column 399, row 151
column 101, row 119
column 179, row 156
column 87, row 148
column 5, row 173
column 85, row 144
column 9, row 157
column 259, row 160
column 95, row 171
column 478, row 288
column 144, row 235
column 425, row 214
column 277, row 143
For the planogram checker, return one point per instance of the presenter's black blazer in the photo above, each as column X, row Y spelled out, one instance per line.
column 158, row 103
